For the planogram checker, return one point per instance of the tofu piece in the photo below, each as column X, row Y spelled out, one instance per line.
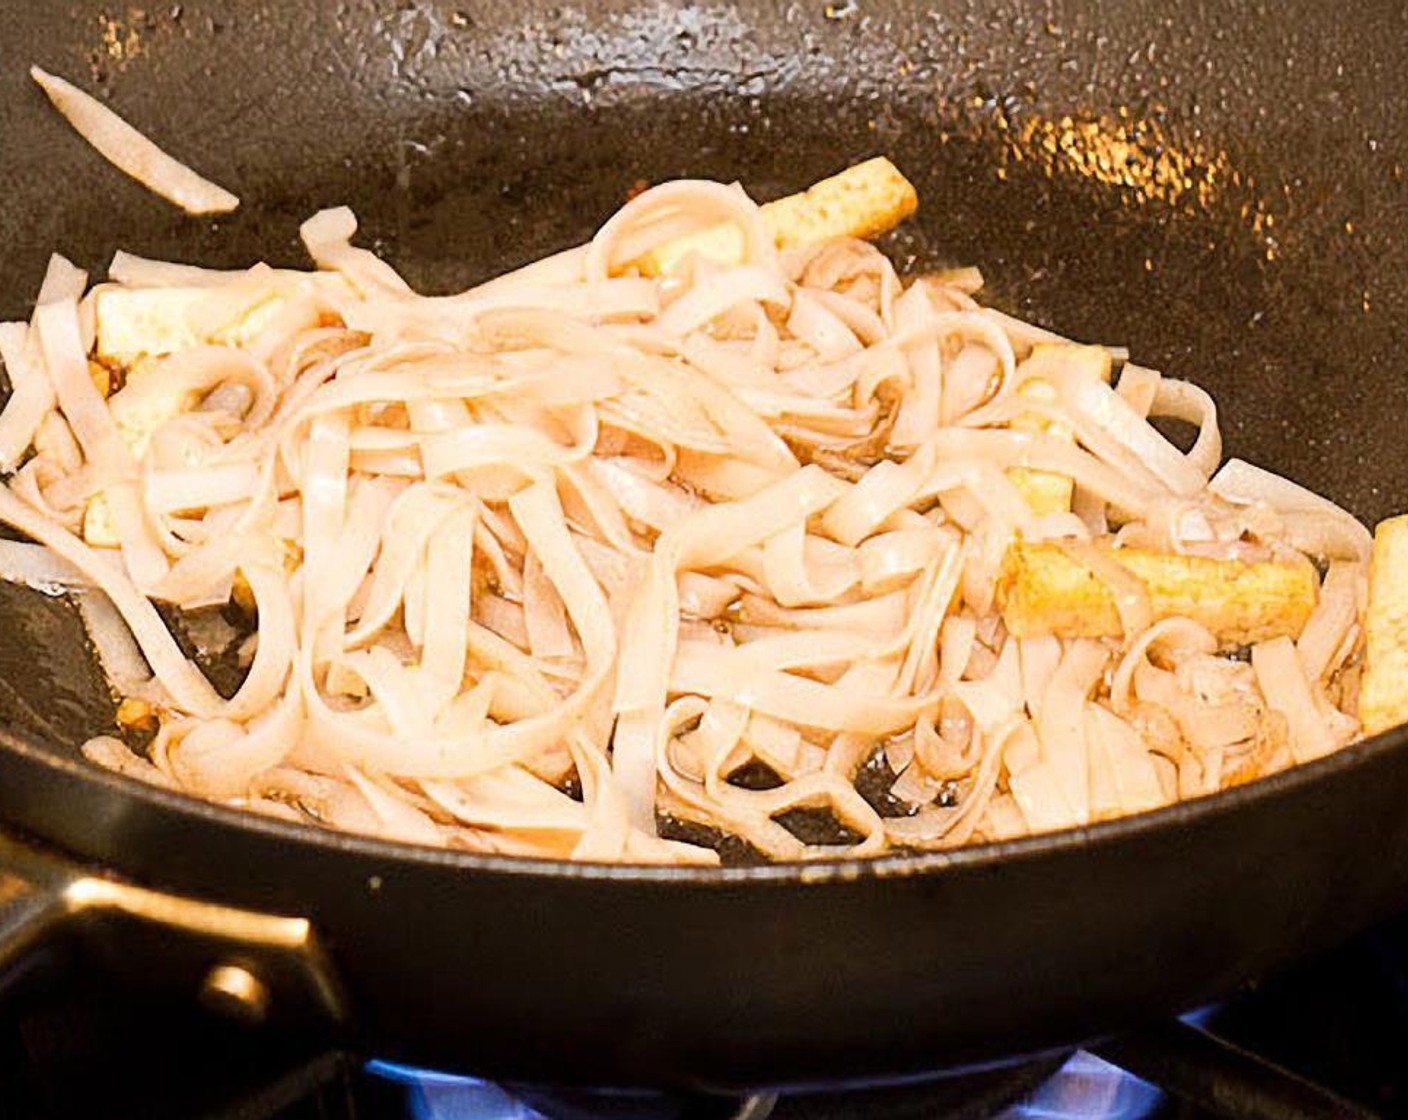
column 135, row 713
column 137, row 323
column 101, row 377
column 141, row 406
column 98, row 529
column 135, row 326
column 1383, row 690
column 1046, row 491
column 1047, row 358
column 866, row 200
column 1043, row 590
column 145, row 403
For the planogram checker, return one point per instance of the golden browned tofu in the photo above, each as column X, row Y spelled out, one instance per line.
column 1043, row 589
column 98, row 529
column 1383, row 692
column 1046, row 491
column 136, row 323
column 866, row 200
column 135, row 713
column 1047, row 358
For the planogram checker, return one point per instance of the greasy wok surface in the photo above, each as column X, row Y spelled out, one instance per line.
column 1222, row 192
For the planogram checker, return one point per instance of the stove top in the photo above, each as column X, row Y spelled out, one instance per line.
column 1329, row 1039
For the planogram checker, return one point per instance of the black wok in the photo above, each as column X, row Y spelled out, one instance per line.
column 1221, row 190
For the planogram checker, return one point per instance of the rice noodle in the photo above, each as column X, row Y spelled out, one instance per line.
column 128, row 150
column 1312, row 523
column 537, row 568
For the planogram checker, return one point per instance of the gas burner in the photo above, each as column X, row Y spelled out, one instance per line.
column 1081, row 1087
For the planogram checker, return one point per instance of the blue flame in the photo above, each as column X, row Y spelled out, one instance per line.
column 1202, row 1015
column 1085, row 1088
column 1088, row 1088
column 446, row 1096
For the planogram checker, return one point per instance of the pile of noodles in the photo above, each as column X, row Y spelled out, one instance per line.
column 538, row 568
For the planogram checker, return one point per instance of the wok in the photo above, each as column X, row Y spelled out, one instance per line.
column 1218, row 188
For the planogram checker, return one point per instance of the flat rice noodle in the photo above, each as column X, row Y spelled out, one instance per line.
column 1129, row 781
column 278, row 638
column 949, row 827
column 544, row 616
column 1037, row 451
column 399, row 818
column 793, row 698
column 1139, row 387
column 1061, row 729
column 31, row 396
column 920, row 668
column 199, row 488
column 893, row 558
column 327, row 235
column 449, row 557
column 118, row 653
column 970, row 325
column 718, row 294
column 186, row 685
column 866, row 324
column 608, row 834
column 879, row 620
column 811, row 321
column 131, row 152
column 885, row 488
column 1182, row 400
column 524, row 449
column 113, row 754
column 1109, row 410
column 629, row 235
column 1180, row 634
column 921, row 412
column 410, row 520
column 219, row 759
column 510, row 799
column 968, row 380
column 83, row 406
column 1039, row 659
column 956, row 640
column 1282, row 679
column 34, row 565
column 707, row 536
column 1322, row 643
column 323, row 486
column 800, row 571
column 1313, row 524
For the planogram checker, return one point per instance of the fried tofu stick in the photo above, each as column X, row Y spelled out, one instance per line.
column 1042, row 589
column 1047, row 491
column 1383, row 692
column 866, row 200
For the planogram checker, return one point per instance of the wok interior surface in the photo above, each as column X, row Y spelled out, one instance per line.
column 1221, row 191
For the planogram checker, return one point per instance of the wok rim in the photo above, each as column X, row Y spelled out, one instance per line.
column 969, row 857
